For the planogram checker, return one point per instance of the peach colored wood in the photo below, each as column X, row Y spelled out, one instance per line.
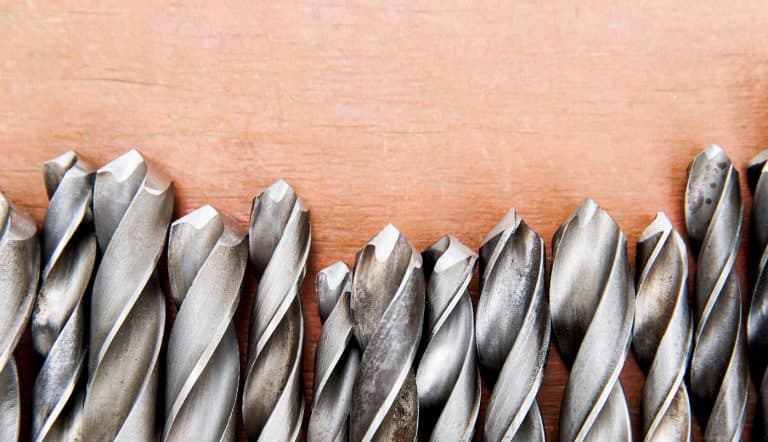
column 435, row 117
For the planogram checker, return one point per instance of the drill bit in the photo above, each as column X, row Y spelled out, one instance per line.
column 388, row 313
column 718, row 370
column 19, row 274
column 663, row 331
column 591, row 297
column 513, row 328
column 132, row 205
column 447, row 381
column 280, row 235
column 58, row 322
column 207, row 256
column 337, row 357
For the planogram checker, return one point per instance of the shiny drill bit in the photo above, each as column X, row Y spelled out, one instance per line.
column 513, row 328
column 663, row 331
column 446, row 378
column 58, row 322
column 388, row 313
column 207, row 256
column 19, row 274
column 591, row 297
column 280, row 234
column 132, row 205
column 337, row 357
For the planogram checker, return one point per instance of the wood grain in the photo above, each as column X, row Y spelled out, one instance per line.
column 436, row 117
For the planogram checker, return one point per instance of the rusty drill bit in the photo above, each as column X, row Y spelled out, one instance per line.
column 19, row 274
column 337, row 357
column 447, row 380
column 388, row 313
column 280, row 235
column 592, row 303
column 513, row 328
column 132, row 205
column 663, row 331
column 207, row 256
column 58, row 322
column 718, row 370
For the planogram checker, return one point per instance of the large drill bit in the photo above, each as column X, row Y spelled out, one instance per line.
column 513, row 328
column 19, row 274
column 388, row 313
column 207, row 256
column 337, row 357
column 58, row 322
column 132, row 205
column 591, row 298
column 663, row 331
column 718, row 370
column 446, row 378
column 280, row 235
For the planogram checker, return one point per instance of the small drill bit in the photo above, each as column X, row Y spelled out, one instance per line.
column 663, row 331
column 591, row 297
column 718, row 370
column 446, row 378
column 337, row 357
column 513, row 328
column 280, row 235
column 58, row 322
column 207, row 256
column 388, row 313
column 132, row 205
column 19, row 274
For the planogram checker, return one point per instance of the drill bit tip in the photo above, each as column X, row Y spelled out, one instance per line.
column 510, row 222
column 449, row 251
column 329, row 282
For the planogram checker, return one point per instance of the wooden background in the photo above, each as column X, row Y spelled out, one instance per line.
column 435, row 116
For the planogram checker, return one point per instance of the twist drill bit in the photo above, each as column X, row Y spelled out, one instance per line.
column 718, row 370
column 19, row 274
column 446, row 379
column 663, row 331
column 207, row 256
column 280, row 235
column 513, row 328
column 58, row 322
column 591, row 297
column 132, row 205
column 337, row 357
column 388, row 313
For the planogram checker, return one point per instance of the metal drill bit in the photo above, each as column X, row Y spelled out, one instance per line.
column 513, row 328
column 337, row 357
column 388, row 313
column 280, row 235
column 19, row 274
column 132, row 205
column 591, row 297
column 663, row 331
column 447, row 381
column 207, row 256
column 58, row 321
column 718, row 370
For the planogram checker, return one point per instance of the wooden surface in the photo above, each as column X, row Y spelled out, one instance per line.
column 435, row 117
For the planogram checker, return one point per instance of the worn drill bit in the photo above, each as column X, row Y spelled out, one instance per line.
column 207, row 256
column 388, row 314
column 19, row 274
column 513, row 328
column 132, row 205
column 591, row 297
column 58, row 322
column 718, row 370
column 280, row 235
column 663, row 331
column 447, row 381
column 337, row 357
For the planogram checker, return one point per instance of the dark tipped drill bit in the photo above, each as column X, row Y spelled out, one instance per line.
column 591, row 298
